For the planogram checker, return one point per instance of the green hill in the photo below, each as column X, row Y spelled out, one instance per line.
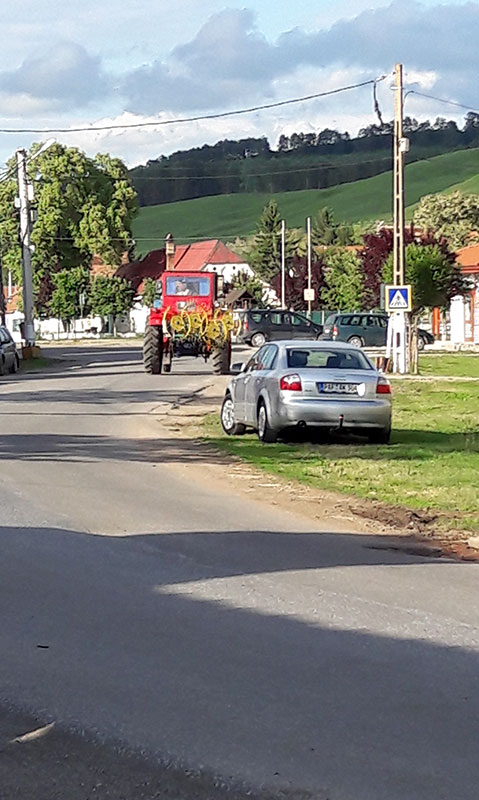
column 228, row 216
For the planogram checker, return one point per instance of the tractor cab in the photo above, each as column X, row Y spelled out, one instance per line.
column 190, row 292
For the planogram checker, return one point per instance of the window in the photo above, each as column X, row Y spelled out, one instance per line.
column 187, row 287
column 276, row 318
column 257, row 317
column 268, row 357
column 4, row 336
column 296, row 319
column 315, row 358
column 383, row 322
column 356, row 320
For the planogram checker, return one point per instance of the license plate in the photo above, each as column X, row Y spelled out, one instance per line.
column 337, row 388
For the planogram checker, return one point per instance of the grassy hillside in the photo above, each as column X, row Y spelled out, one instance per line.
column 228, row 216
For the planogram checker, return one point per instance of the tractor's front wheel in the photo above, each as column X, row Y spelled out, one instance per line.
column 221, row 359
column 153, row 350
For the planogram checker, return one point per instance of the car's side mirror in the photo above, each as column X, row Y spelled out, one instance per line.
column 237, row 368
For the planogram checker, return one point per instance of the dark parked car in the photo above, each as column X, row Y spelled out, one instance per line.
column 9, row 361
column 365, row 330
column 257, row 326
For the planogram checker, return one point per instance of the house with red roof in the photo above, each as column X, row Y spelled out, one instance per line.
column 464, row 311
column 209, row 256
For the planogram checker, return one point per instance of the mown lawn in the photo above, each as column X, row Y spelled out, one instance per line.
column 432, row 462
column 457, row 365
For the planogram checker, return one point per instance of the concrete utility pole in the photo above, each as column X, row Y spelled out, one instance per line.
column 399, row 337
column 25, row 195
column 283, row 263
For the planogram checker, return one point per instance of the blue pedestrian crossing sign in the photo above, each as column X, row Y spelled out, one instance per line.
column 398, row 298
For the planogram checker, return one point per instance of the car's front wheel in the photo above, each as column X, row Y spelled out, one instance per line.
column 421, row 343
column 266, row 433
column 228, row 420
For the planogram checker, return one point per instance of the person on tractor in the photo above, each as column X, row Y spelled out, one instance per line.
column 181, row 289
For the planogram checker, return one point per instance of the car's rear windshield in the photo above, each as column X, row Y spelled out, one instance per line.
column 315, row 358
column 330, row 319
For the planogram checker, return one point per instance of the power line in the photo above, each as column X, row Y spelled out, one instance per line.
column 443, row 100
column 219, row 115
column 246, row 175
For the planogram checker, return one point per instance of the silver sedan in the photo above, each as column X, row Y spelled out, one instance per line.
column 329, row 385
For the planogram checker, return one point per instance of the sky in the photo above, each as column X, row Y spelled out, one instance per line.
column 68, row 65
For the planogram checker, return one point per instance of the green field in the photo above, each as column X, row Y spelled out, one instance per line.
column 228, row 216
column 431, row 464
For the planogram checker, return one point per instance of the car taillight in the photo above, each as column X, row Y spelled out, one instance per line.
column 383, row 387
column 291, row 383
column 335, row 331
column 245, row 325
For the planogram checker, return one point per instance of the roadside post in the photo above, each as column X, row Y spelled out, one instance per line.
column 283, row 263
column 398, row 301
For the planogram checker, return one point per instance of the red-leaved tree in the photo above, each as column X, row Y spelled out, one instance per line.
column 297, row 281
column 377, row 248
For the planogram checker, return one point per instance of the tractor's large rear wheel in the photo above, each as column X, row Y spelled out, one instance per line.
column 153, row 349
column 221, row 359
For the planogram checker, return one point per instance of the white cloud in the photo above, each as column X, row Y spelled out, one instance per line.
column 66, row 73
column 228, row 62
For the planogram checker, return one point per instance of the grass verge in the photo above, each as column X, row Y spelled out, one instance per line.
column 35, row 364
column 431, row 465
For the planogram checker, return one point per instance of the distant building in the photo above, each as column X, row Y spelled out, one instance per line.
column 464, row 312
column 210, row 256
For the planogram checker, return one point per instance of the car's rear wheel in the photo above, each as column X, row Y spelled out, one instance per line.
column 228, row 421
column 380, row 436
column 266, row 433
column 355, row 341
column 421, row 343
column 258, row 339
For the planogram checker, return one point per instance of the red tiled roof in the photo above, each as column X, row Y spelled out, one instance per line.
column 468, row 258
column 151, row 266
column 196, row 256
column 188, row 258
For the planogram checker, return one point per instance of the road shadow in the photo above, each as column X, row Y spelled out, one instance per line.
column 91, row 448
column 300, row 681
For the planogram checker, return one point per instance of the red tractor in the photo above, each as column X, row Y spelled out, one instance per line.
column 186, row 318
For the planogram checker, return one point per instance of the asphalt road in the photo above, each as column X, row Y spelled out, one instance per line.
column 143, row 606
